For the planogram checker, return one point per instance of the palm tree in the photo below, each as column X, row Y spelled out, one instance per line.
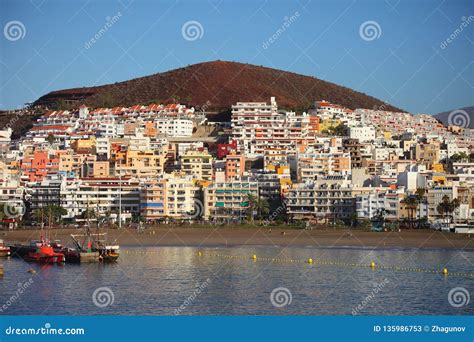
column 411, row 205
column 259, row 205
column 420, row 195
column 447, row 207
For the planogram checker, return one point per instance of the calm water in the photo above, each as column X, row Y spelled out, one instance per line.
column 167, row 278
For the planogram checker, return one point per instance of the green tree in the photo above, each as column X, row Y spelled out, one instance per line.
column 50, row 138
column 51, row 214
column 258, row 205
column 410, row 204
column 420, row 197
column 447, row 207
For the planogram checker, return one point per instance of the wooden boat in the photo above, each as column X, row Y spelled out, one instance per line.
column 109, row 253
column 89, row 248
column 4, row 250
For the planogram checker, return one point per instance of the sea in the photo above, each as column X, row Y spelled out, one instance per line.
column 247, row 280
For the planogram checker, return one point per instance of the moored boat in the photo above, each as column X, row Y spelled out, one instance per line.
column 91, row 248
column 4, row 250
column 109, row 253
column 38, row 251
column 44, row 253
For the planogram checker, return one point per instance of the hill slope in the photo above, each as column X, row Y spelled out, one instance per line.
column 219, row 85
column 461, row 117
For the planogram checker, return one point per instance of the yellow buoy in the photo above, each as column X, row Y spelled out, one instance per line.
column 310, row 261
column 254, row 257
column 445, row 270
column 372, row 264
column 199, row 254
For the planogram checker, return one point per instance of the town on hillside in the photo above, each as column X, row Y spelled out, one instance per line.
column 149, row 164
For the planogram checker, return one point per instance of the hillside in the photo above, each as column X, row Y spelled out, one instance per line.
column 462, row 117
column 219, row 85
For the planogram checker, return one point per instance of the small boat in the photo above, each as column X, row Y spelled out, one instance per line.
column 4, row 250
column 109, row 253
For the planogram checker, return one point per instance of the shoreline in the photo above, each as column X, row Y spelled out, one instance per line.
column 277, row 237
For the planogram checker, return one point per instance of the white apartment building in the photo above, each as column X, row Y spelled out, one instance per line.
column 104, row 196
column 369, row 203
column 326, row 199
column 102, row 146
column 257, row 126
column 176, row 128
column 362, row 133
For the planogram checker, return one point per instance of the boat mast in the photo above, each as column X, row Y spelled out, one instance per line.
column 120, row 201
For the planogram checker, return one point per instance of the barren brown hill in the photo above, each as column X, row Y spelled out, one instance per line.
column 216, row 85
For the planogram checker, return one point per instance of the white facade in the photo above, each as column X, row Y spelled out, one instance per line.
column 177, row 128
column 363, row 133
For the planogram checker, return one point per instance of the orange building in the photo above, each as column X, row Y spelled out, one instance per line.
column 234, row 165
column 37, row 166
column 314, row 124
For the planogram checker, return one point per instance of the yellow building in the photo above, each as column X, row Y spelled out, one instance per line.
column 172, row 197
column 141, row 163
column 101, row 169
column 83, row 144
column 198, row 164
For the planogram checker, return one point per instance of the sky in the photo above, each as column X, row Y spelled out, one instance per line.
column 414, row 54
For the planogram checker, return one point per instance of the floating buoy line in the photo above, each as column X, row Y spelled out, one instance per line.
column 372, row 265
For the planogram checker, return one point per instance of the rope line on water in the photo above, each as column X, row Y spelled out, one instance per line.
column 311, row 261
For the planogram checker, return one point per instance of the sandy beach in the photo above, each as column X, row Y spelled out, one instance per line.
column 227, row 236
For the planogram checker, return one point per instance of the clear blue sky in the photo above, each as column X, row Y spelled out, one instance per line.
column 404, row 65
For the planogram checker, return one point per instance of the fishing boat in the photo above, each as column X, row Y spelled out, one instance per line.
column 90, row 247
column 4, row 250
column 82, row 251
